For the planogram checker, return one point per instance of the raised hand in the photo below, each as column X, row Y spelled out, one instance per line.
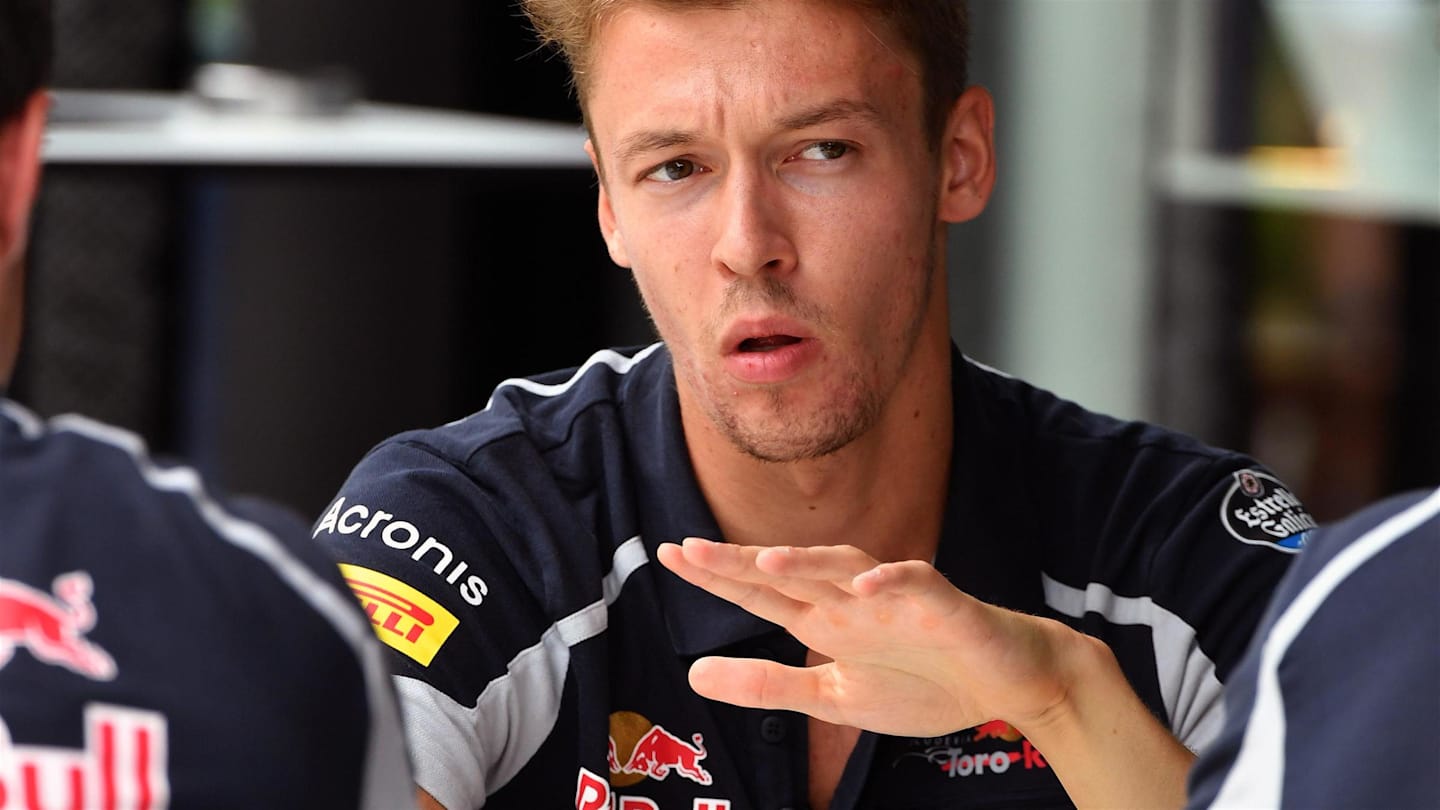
column 909, row 653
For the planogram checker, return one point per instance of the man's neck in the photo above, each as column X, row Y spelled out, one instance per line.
column 883, row 493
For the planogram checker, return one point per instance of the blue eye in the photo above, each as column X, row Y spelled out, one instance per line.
column 671, row 171
column 825, row 150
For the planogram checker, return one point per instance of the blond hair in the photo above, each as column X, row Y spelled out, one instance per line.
column 937, row 32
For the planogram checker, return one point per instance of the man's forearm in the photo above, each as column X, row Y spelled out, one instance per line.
column 1104, row 745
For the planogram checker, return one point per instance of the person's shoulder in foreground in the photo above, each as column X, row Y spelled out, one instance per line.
column 159, row 647
column 1336, row 703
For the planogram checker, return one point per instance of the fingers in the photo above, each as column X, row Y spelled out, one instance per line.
column 761, row 684
column 763, row 601
column 906, row 578
column 740, row 563
column 820, row 563
column 838, row 564
column 780, row 584
column 932, row 599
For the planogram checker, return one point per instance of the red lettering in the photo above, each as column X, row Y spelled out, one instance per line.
column 711, row 804
column 122, row 765
column 591, row 792
column 31, row 787
column 77, row 787
column 637, row 803
column 419, row 620
column 107, row 766
column 392, row 623
column 375, row 595
column 142, row 767
column 33, row 798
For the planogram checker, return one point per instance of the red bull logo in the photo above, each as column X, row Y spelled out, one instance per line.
column 640, row 749
column 659, row 753
column 123, row 765
column 53, row 626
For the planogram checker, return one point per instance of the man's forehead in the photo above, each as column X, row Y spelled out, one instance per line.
column 788, row 58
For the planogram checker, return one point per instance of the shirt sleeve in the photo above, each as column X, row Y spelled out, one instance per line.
column 1211, row 580
column 382, row 780
column 422, row 544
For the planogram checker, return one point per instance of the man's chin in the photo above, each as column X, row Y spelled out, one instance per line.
column 780, row 440
column 794, row 453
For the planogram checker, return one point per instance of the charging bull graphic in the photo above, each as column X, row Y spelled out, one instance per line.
column 659, row 752
column 53, row 627
column 639, row 749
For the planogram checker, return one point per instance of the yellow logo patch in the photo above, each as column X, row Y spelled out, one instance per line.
column 404, row 618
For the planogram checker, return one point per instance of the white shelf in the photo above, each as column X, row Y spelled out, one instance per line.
column 1213, row 179
column 97, row 128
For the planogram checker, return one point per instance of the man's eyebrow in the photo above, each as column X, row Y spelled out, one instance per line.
column 639, row 143
column 833, row 111
column 646, row 141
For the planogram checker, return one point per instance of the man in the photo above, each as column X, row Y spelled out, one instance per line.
column 778, row 175
column 1351, row 642
column 158, row 647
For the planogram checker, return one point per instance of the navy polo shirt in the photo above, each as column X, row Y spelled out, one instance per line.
column 1337, row 700
column 541, row 657
column 159, row 647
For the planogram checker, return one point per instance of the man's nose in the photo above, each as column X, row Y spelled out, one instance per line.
column 753, row 234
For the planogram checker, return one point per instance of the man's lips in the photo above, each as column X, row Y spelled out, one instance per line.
column 768, row 343
column 765, row 351
column 763, row 335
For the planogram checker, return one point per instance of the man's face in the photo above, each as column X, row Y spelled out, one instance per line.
column 767, row 177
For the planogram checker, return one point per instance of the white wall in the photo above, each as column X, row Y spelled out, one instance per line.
column 1072, row 259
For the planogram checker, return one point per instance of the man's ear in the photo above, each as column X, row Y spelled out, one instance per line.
column 20, row 139
column 967, row 156
column 608, row 227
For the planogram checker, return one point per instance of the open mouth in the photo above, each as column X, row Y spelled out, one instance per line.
column 768, row 343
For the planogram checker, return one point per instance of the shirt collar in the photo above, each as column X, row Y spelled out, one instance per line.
column 988, row 543
column 986, row 549
column 671, row 508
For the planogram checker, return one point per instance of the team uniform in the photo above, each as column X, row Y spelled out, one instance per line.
column 159, row 648
column 1337, row 701
column 541, row 657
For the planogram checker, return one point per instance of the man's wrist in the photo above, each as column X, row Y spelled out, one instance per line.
column 1087, row 675
column 1096, row 733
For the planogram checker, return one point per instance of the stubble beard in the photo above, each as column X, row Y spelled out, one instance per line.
column 789, row 433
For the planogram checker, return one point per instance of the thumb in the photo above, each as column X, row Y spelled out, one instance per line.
column 758, row 684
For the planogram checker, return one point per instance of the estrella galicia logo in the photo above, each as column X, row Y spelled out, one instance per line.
column 1260, row 510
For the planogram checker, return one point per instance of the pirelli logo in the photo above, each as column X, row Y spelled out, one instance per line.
column 404, row 618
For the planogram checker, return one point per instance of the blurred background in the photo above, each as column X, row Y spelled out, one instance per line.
column 1221, row 215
